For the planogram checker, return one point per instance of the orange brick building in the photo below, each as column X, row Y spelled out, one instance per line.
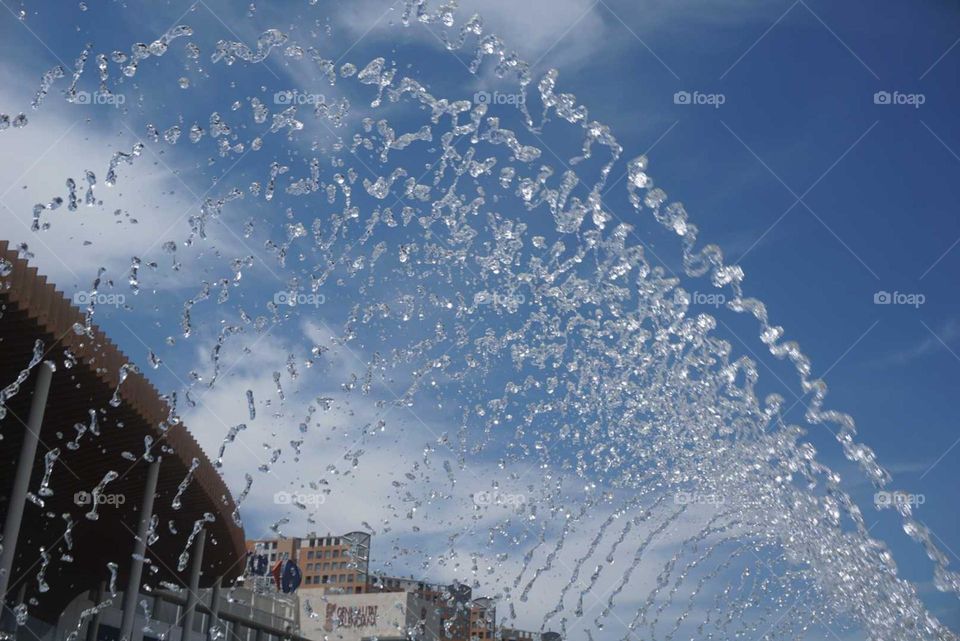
column 336, row 564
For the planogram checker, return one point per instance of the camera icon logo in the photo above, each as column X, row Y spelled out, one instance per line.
column 82, row 498
column 293, row 298
column 881, row 98
column 681, row 98
column 481, row 98
column 282, row 498
column 82, row 98
column 81, row 298
column 282, row 98
column 882, row 298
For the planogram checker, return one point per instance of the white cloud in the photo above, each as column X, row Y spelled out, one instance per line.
column 942, row 339
column 560, row 30
column 558, row 33
column 447, row 535
column 425, row 524
column 63, row 141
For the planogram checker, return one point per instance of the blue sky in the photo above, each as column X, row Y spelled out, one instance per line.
column 822, row 195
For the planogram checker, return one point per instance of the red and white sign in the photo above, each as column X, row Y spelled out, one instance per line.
column 345, row 616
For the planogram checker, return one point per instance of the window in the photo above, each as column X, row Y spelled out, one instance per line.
column 324, row 580
column 336, row 554
column 310, row 554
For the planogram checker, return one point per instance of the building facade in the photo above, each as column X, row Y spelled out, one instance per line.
column 333, row 563
column 340, row 600
column 451, row 603
column 386, row 616
column 483, row 619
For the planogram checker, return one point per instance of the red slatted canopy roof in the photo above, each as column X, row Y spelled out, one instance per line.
column 32, row 309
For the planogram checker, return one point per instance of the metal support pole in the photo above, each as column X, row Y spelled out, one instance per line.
column 253, row 610
column 93, row 627
column 155, row 609
column 10, row 625
column 214, row 609
column 18, row 495
column 196, row 562
column 132, row 592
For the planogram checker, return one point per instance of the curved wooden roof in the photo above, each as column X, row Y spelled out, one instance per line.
column 31, row 309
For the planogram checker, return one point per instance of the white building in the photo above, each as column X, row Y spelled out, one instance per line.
column 386, row 616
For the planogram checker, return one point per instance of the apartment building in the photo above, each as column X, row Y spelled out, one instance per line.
column 337, row 564
column 483, row 619
column 274, row 549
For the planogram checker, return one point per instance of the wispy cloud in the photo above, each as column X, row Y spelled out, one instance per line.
column 942, row 338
